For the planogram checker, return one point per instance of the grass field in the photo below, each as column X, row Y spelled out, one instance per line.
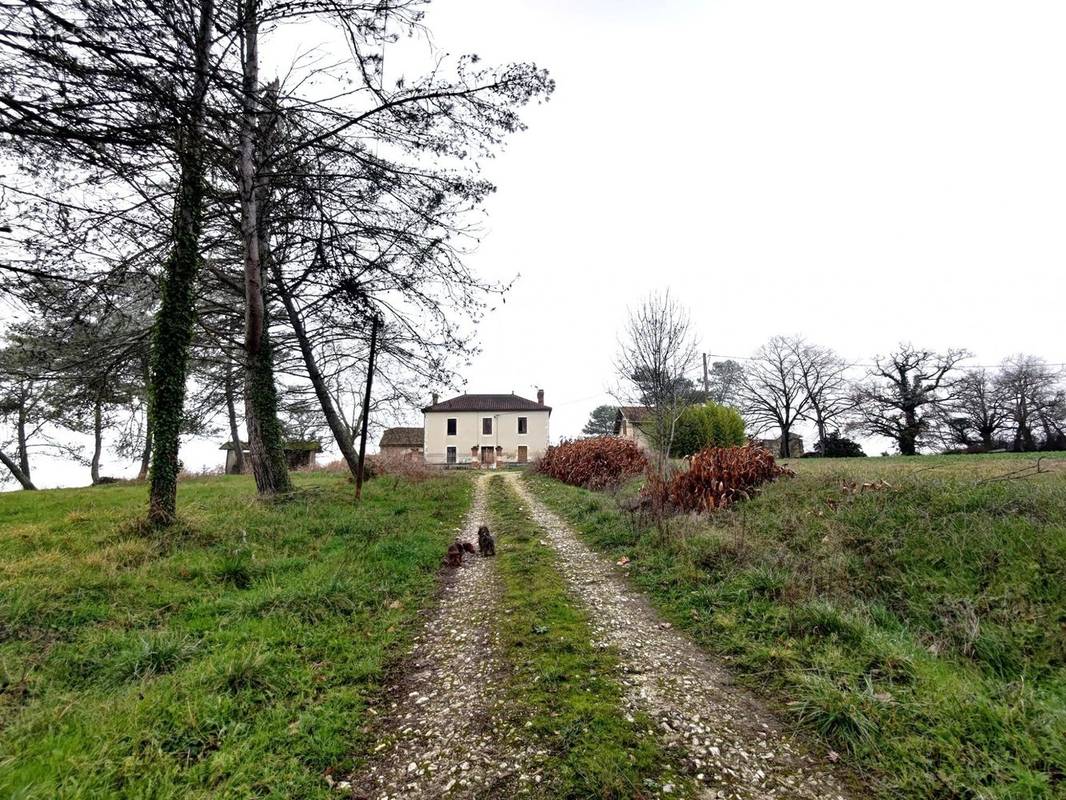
column 229, row 658
column 918, row 627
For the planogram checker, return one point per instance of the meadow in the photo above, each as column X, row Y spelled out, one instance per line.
column 230, row 656
column 916, row 625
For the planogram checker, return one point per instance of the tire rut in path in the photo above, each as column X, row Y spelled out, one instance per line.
column 444, row 729
column 727, row 740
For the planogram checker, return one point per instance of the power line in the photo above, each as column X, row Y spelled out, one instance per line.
column 871, row 366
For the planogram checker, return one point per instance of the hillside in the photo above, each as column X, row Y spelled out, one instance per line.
column 916, row 626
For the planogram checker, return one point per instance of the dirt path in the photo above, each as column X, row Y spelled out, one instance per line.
column 727, row 740
column 444, row 730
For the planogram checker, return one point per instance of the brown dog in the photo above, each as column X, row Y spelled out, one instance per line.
column 454, row 557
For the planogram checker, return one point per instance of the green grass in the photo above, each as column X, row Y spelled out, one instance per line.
column 564, row 683
column 231, row 657
column 918, row 629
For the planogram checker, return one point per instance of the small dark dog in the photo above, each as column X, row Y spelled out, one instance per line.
column 454, row 558
column 485, row 543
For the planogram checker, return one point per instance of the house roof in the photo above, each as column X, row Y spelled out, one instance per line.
column 402, row 437
column 635, row 414
column 487, row 402
column 313, row 445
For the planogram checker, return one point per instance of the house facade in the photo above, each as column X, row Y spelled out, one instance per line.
column 631, row 422
column 485, row 430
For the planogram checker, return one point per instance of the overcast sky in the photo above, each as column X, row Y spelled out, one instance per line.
column 857, row 172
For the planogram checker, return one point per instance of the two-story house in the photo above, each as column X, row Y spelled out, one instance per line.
column 486, row 429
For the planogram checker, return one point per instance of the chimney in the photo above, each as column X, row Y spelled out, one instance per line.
column 434, row 399
column 540, row 396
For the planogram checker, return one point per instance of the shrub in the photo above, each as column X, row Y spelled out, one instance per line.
column 837, row 446
column 594, row 463
column 709, row 425
column 715, row 478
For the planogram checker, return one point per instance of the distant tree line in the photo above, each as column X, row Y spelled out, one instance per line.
column 918, row 398
column 184, row 240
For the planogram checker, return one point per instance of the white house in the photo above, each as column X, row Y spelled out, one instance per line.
column 635, row 423
column 485, row 429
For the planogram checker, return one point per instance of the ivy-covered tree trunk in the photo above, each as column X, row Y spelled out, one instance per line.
column 266, row 445
column 174, row 323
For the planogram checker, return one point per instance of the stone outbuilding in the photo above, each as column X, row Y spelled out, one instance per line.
column 298, row 453
column 405, row 443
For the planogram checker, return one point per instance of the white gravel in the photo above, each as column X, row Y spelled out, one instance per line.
column 725, row 739
column 445, row 730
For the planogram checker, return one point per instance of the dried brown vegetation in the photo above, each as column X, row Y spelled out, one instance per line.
column 715, row 477
column 594, row 463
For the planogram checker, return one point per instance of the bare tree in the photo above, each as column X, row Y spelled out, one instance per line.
column 904, row 393
column 657, row 352
column 1032, row 393
column 773, row 393
column 977, row 412
column 823, row 374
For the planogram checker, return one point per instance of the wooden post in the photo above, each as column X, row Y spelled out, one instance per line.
column 706, row 383
column 366, row 406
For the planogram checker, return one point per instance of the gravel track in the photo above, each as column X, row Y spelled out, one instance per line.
column 724, row 737
column 445, row 730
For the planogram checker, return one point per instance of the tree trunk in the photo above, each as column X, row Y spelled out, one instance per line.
column 23, row 445
column 98, row 440
column 336, row 424
column 786, row 448
column 146, row 452
column 234, row 430
column 908, row 436
column 20, row 476
column 174, row 323
column 265, row 444
column 366, row 408
column 986, row 438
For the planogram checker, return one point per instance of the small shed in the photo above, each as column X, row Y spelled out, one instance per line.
column 298, row 453
column 795, row 445
column 405, row 443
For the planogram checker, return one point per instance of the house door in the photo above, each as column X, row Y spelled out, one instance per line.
column 523, row 454
column 488, row 456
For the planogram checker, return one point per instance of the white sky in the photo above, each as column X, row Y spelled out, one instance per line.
column 858, row 172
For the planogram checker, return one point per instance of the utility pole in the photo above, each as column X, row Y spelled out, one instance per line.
column 706, row 382
column 366, row 406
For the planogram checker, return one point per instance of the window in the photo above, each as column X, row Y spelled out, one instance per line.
column 451, row 451
column 486, row 426
column 523, row 425
column 452, row 421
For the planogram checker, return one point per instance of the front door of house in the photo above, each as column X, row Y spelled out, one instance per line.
column 523, row 454
column 488, row 456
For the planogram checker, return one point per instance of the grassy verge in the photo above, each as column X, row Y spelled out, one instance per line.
column 919, row 628
column 230, row 658
column 563, row 681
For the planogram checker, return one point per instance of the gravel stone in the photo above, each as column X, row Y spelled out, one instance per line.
column 445, row 729
column 724, row 738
